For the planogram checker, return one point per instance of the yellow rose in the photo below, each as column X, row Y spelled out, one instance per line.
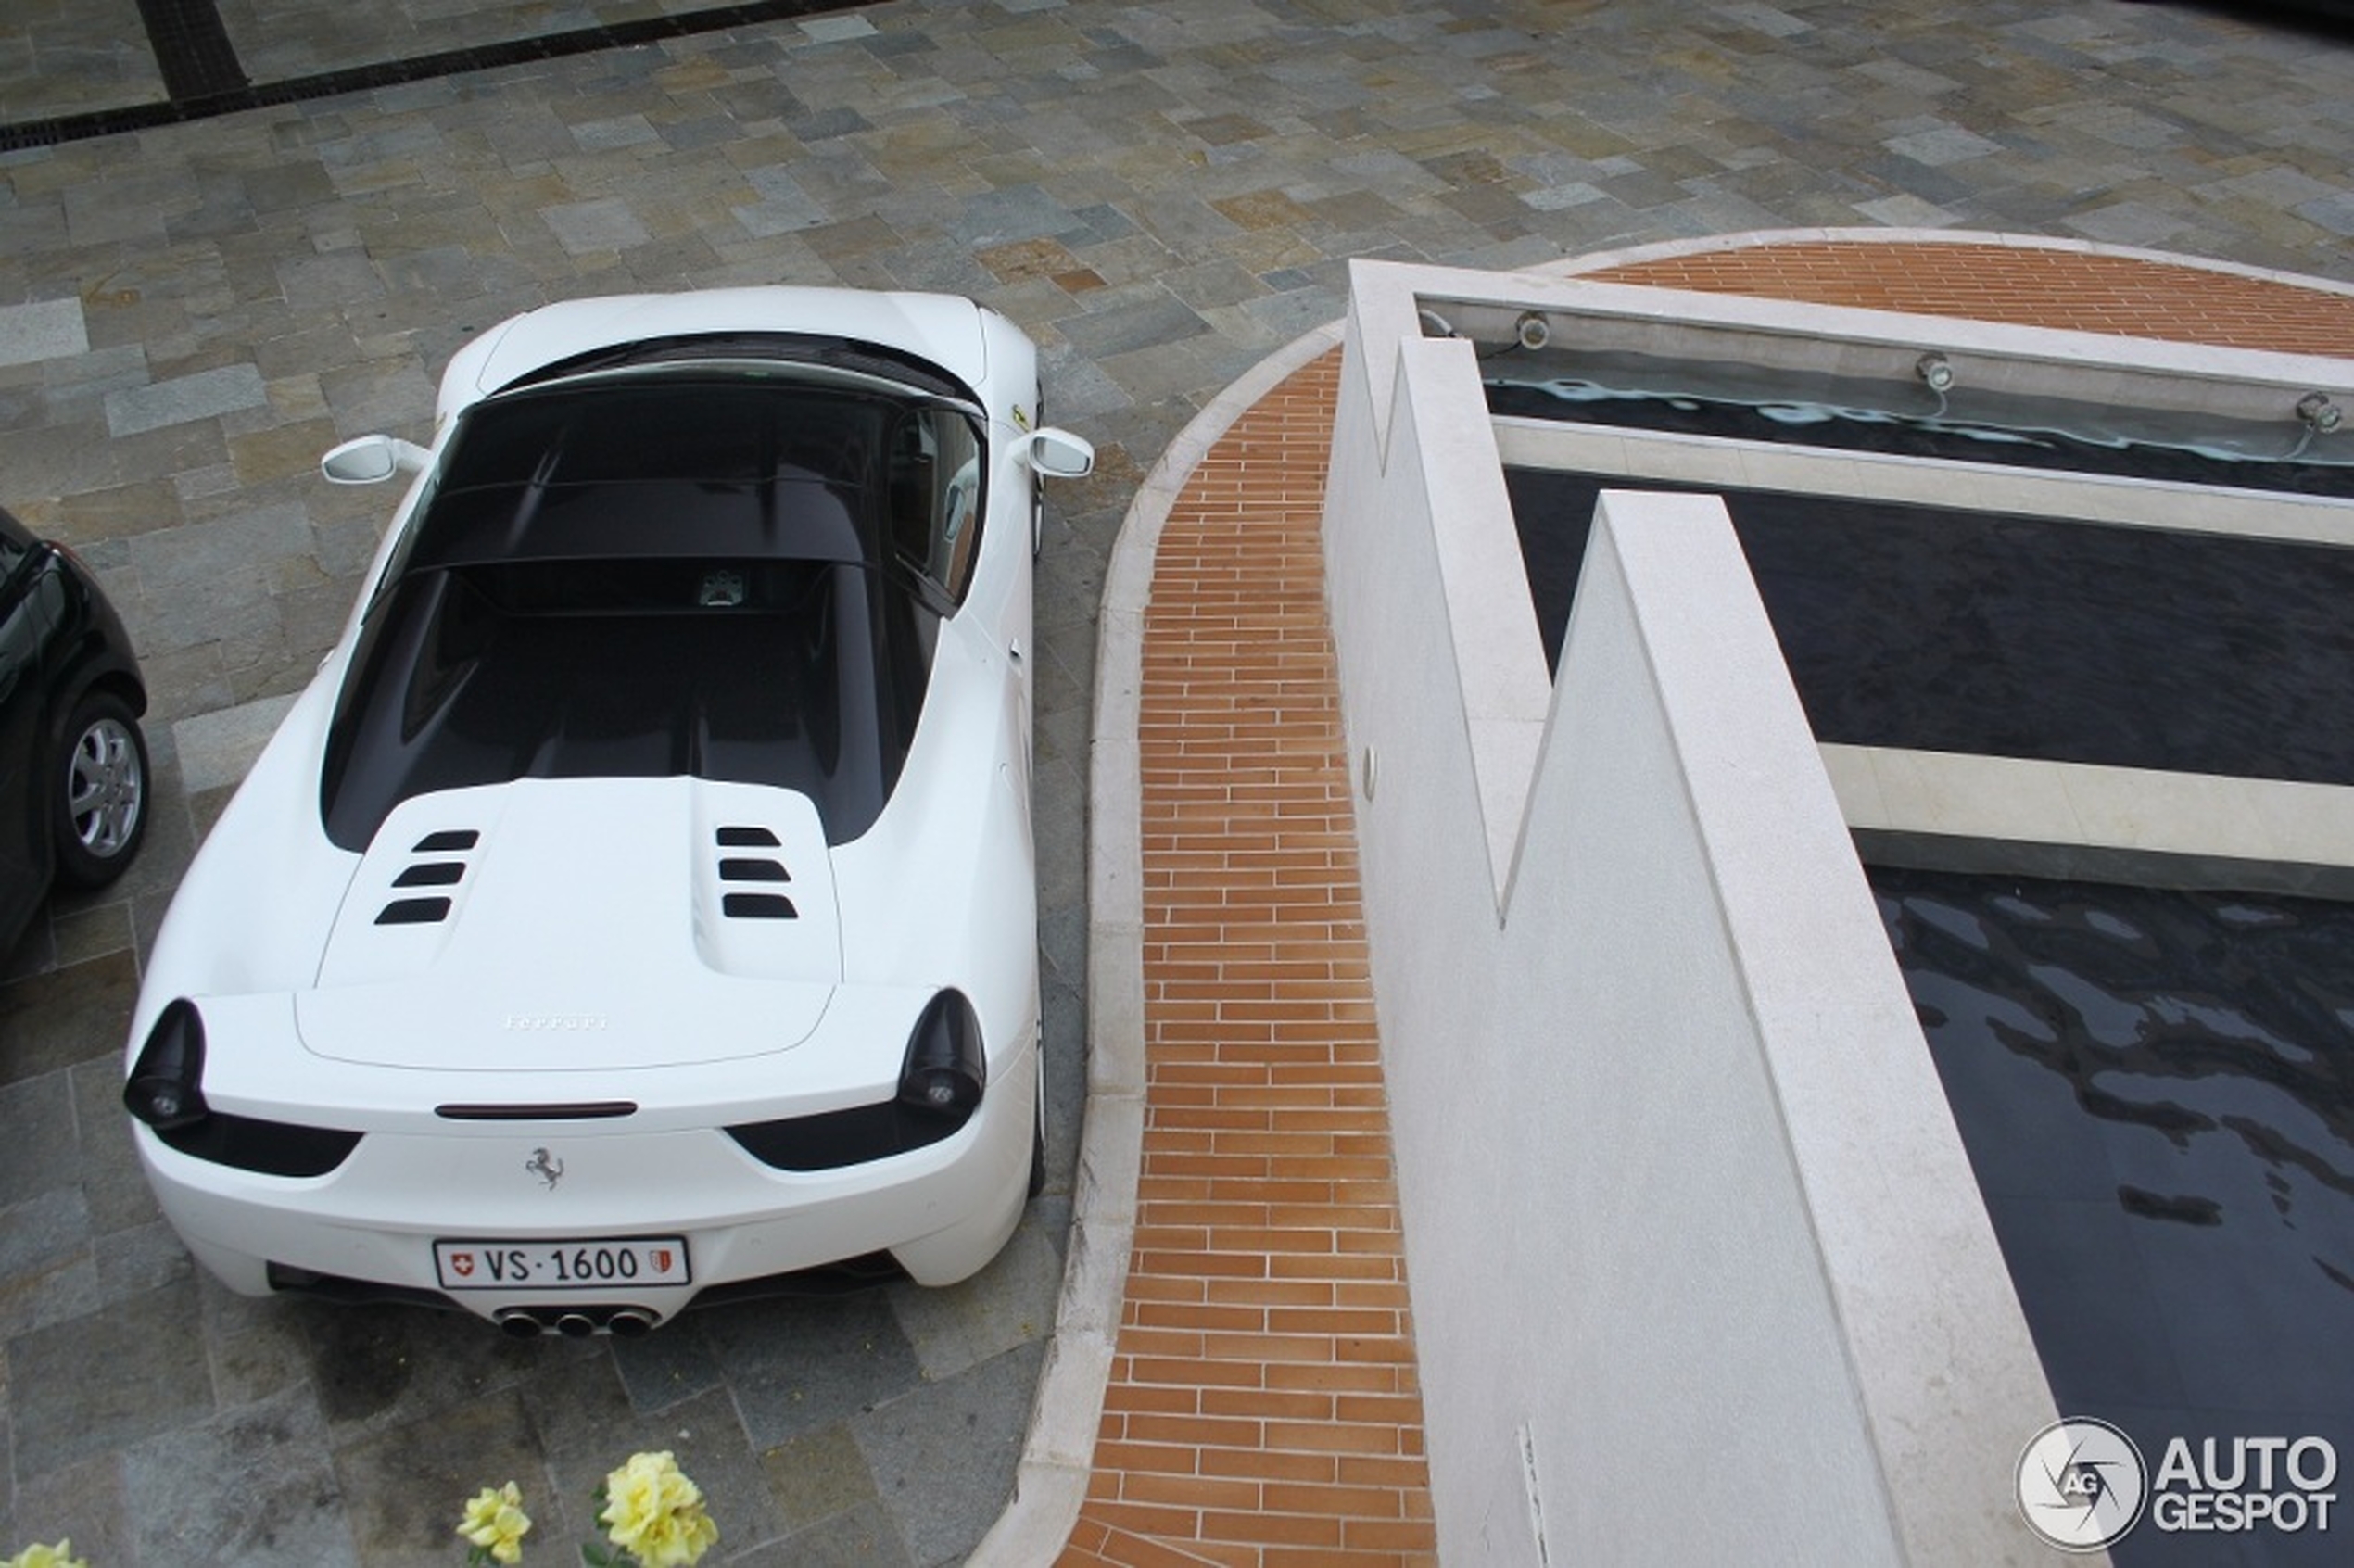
column 655, row 1514
column 59, row 1556
column 495, row 1523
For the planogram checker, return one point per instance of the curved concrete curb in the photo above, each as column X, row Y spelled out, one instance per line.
column 1050, row 1483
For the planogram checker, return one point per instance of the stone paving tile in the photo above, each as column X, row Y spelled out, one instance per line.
column 40, row 1153
column 280, row 40
column 254, row 1485
column 797, row 1367
column 1110, row 175
column 51, row 329
column 101, row 1380
column 1007, row 1306
column 859, row 1536
column 65, row 56
column 938, row 1453
column 397, row 1487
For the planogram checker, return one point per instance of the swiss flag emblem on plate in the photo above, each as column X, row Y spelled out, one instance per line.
column 462, row 1264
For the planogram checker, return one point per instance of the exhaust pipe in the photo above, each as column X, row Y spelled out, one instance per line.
column 622, row 1323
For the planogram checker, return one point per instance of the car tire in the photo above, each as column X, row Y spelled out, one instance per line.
column 101, row 774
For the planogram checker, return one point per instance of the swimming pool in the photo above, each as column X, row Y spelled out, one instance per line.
column 2155, row 1089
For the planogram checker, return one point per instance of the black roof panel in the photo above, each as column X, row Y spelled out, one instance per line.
column 657, row 466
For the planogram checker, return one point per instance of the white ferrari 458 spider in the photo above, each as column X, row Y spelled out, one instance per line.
column 639, row 905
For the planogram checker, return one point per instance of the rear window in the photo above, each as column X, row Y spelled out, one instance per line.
column 653, row 577
column 660, row 465
column 790, row 673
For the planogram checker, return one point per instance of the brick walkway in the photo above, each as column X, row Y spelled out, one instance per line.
column 2077, row 290
column 1263, row 1407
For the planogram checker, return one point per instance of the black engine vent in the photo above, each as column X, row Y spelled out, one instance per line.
column 432, row 869
column 755, row 868
column 758, row 906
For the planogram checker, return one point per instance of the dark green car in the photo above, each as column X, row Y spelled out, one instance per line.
column 73, row 765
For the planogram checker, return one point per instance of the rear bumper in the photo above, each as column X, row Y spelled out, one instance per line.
column 941, row 1212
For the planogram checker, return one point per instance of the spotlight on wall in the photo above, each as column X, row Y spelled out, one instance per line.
column 1935, row 371
column 1533, row 330
column 2318, row 414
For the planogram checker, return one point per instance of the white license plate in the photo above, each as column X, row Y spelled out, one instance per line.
column 604, row 1264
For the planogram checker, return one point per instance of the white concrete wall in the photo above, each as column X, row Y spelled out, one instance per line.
column 1699, row 1269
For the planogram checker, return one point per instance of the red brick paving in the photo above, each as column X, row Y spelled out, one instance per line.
column 1262, row 1409
column 2078, row 290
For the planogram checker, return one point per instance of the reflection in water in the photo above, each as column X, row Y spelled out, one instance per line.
column 2156, row 1090
column 2185, row 1014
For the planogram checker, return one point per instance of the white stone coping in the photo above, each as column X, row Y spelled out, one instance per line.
column 1718, row 462
column 1392, row 298
column 2252, row 822
column 1924, row 1308
column 1050, row 1482
column 1498, row 652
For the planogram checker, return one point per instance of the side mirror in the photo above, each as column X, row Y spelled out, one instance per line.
column 371, row 460
column 1058, row 454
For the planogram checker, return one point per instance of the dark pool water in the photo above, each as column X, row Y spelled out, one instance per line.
column 1932, row 629
column 2156, row 1090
